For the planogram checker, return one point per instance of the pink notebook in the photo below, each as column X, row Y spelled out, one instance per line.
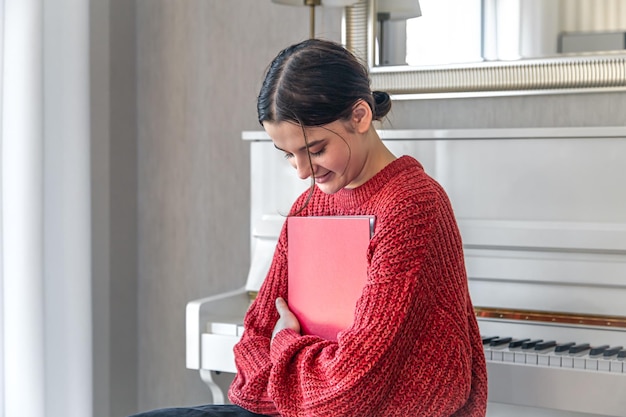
column 327, row 266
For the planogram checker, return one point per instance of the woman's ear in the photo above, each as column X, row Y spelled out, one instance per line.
column 361, row 116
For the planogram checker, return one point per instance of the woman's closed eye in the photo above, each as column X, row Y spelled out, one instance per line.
column 313, row 154
column 318, row 153
column 315, row 151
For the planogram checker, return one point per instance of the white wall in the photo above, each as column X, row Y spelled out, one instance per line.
column 45, row 209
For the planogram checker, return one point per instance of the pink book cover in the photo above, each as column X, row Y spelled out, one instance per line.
column 327, row 267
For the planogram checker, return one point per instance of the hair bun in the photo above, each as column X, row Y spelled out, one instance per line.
column 383, row 104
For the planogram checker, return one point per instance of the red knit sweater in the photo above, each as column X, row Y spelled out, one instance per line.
column 414, row 348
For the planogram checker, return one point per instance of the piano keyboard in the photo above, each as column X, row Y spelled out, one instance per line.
column 560, row 367
column 539, row 352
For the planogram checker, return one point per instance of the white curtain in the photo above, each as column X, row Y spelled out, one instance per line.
column 45, row 213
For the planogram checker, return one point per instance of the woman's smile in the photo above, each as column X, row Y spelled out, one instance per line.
column 321, row 179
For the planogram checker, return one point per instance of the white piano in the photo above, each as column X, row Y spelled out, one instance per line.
column 542, row 213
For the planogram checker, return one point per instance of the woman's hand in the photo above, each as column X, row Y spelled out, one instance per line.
column 287, row 319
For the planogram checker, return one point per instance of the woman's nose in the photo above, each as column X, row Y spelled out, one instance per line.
column 303, row 167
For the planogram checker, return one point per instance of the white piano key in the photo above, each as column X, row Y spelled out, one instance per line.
column 508, row 356
column 567, row 362
column 604, row 365
column 520, row 357
column 531, row 358
column 579, row 363
column 543, row 360
column 554, row 360
column 591, row 364
column 496, row 355
column 617, row 366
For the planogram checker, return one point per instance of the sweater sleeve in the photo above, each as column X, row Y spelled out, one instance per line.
column 252, row 352
column 408, row 347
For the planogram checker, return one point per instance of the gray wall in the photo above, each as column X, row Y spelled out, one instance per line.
column 114, row 206
column 175, row 207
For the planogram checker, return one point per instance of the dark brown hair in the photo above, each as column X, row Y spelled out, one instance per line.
column 316, row 82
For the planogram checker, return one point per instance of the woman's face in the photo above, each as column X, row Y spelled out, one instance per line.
column 337, row 155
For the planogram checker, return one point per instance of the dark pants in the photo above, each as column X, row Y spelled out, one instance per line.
column 210, row 410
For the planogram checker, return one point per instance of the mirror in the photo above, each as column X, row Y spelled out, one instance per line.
column 582, row 50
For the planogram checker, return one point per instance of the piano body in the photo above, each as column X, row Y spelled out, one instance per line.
column 542, row 213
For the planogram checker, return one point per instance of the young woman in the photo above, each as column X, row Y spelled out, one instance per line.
column 414, row 348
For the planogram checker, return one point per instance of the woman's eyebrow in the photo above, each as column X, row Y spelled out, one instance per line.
column 311, row 144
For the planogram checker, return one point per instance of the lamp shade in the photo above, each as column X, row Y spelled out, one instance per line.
column 331, row 3
column 399, row 9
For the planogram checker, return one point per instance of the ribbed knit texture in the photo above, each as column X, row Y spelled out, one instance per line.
column 414, row 348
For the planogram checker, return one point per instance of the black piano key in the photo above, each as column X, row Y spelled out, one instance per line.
column 579, row 348
column 545, row 345
column 563, row 347
column 531, row 344
column 517, row 343
column 621, row 354
column 488, row 339
column 612, row 351
column 500, row 341
column 598, row 350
